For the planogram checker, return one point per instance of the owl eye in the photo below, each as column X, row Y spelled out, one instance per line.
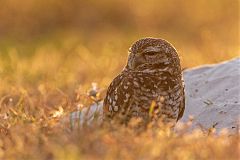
column 150, row 53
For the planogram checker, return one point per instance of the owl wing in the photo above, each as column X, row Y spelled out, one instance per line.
column 118, row 95
column 182, row 106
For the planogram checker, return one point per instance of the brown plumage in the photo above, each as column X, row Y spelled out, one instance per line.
column 150, row 86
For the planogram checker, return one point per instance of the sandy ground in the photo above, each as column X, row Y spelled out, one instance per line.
column 213, row 95
column 212, row 98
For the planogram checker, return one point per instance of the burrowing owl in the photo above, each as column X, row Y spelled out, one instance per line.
column 150, row 84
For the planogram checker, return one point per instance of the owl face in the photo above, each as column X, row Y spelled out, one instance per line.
column 150, row 52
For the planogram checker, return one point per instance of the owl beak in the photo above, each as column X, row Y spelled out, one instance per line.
column 138, row 60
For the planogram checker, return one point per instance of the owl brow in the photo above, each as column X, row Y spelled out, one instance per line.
column 152, row 49
column 130, row 49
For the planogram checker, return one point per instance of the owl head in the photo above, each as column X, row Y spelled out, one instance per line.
column 151, row 53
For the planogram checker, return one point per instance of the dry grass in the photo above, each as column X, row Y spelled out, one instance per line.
column 37, row 132
column 51, row 52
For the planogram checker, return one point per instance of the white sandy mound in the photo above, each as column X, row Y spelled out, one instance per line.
column 212, row 98
column 213, row 95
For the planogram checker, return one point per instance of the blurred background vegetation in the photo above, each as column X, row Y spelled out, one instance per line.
column 69, row 42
